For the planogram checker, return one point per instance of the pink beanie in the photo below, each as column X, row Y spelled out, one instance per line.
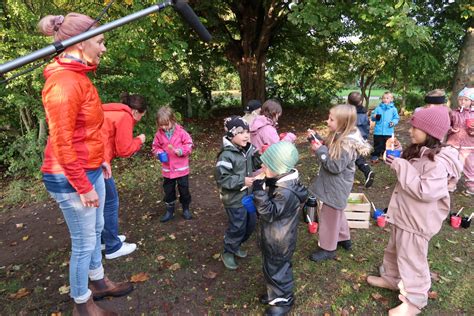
column 433, row 121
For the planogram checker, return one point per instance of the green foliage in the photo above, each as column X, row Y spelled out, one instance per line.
column 413, row 100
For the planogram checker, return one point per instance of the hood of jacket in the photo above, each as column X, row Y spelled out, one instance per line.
column 60, row 64
column 291, row 182
column 117, row 107
column 385, row 106
column 259, row 122
column 449, row 157
column 356, row 142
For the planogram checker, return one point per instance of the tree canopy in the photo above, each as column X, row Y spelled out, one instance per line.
column 302, row 52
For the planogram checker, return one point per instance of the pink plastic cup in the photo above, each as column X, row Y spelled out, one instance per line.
column 313, row 227
column 456, row 221
column 381, row 221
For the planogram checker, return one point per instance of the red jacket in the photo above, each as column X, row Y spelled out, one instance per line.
column 177, row 166
column 74, row 116
column 117, row 131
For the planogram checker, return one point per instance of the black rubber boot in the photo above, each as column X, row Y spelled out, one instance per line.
column 346, row 244
column 322, row 254
column 187, row 213
column 169, row 212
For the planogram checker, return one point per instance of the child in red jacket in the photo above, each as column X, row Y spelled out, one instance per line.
column 172, row 146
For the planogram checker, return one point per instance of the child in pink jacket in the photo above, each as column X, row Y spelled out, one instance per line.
column 263, row 132
column 172, row 146
column 419, row 204
column 461, row 135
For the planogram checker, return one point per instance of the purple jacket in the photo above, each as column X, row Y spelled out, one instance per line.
column 177, row 166
column 263, row 131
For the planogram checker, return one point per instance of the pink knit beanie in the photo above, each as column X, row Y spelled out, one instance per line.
column 433, row 121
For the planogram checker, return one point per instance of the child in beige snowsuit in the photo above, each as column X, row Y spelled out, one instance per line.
column 419, row 204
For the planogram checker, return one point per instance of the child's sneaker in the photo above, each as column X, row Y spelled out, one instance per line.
column 229, row 260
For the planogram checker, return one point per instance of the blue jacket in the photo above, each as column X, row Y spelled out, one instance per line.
column 363, row 123
column 389, row 114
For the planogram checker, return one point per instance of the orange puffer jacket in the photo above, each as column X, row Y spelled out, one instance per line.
column 74, row 116
column 118, row 131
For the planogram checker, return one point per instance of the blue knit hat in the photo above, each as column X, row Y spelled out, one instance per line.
column 280, row 157
column 468, row 93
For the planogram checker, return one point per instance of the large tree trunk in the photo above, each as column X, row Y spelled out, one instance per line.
column 258, row 21
column 465, row 68
column 252, row 80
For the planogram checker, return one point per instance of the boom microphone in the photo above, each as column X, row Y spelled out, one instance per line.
column 188, row 14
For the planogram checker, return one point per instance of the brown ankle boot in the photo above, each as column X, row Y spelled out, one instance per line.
column 90, row 309
column 105, row 287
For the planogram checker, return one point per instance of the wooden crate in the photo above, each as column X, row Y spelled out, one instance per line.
column 358, row 214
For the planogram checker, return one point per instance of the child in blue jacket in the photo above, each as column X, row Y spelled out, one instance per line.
column 385, row 117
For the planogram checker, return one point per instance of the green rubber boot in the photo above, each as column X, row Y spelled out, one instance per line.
column 229, row 260
column 241, row 253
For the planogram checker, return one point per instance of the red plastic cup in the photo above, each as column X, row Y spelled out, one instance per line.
column 313, row 227
column 381, row 221
column 469, row 122
column 456, row 221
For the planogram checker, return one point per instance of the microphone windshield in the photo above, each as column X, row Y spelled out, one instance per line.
column 188, row 14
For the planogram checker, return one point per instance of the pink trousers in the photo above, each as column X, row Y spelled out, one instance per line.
column 405, row 265
column 333, row 227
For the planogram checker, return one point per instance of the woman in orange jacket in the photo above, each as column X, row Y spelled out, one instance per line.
column 74, row 157
column 119, row 120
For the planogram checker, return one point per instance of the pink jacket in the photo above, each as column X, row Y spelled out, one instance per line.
column 263, row 131
column 177, row 166
column 420, row 201
column 461, row 139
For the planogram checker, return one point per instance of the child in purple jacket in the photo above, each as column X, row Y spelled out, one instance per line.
column 173, row 146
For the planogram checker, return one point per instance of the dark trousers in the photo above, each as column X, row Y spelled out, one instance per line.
column 169, row 185
column 241, row 225
column 379, row 144
column 362, row 165
column 278, row 273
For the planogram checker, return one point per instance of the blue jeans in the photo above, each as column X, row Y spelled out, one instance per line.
column 111, row 207
column 85, row 226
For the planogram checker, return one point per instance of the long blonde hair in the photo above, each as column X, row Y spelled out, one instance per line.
column 346, row 118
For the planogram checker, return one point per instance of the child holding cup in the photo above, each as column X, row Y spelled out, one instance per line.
column 172, row 145
column 461, row 135
column 236, row 161
column 335, row 178
column 419, row 204
column 278, row 208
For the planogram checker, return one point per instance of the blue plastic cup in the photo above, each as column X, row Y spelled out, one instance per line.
column 377, row 213
column 394, row 153
column 163, row 157
column 247, row 202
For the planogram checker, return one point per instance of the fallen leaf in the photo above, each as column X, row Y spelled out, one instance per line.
column 160, row 258
column 13, row 243
column 457, row 259
column 434, row 276
column 380, row 298
column 208, row 299
column 327, row 314
column 139, row 277
column 175, row 266
column 344, row 312
column 20, row 293
column 59, row 221
column 25, row 238
column 210, row 275
column 451, row 241
column 216, row 256
column 161, row 239
column 437, row 245
column 19, row 225
column 356, row 287
column 56, row 314
column 445, row 279
column 172, row 237
column 433, row 295
column 64, row 289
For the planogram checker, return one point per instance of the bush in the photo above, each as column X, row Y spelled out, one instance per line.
column 414, row 100
column 21, row 155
